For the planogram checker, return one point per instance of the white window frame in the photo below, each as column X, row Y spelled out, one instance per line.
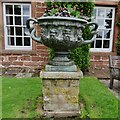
column 111, row 35
column 14, row 47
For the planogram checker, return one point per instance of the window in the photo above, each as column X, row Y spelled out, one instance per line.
column 104, row 17
column 15, row 16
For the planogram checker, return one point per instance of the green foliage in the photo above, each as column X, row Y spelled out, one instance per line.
column 81, row 55
column 118, row 24
column 118, row 47
column 19, row 99
column 80, row 10
column 0, row 97
column 99, row 101
column 75, row 9
column 51, row 53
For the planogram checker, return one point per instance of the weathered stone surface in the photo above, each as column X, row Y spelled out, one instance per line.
column 13, row 71
column 49, row 90
column 61, row 114
column 72, row 68
column 61, row 99
column 2, row 70
column 24, row 75
column 61, row 107
column 61, row 75
column 61, row 91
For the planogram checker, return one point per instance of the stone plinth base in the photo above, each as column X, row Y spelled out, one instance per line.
column 63, row 114
column 61, row 93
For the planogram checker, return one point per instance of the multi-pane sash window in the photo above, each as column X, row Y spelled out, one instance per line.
column 104, row 17
column 15, row 16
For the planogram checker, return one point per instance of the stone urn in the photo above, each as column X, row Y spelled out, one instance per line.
column 61, row 76
column 61, row 34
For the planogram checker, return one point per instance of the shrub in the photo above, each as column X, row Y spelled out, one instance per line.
column 81, row 55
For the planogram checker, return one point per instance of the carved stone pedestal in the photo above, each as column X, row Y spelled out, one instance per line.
column 61, row 93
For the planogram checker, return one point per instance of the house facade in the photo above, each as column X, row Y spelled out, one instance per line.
column 18, row 50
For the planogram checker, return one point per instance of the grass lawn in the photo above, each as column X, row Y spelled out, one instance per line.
column 99, row 101
column 0, row 98
column 19, row 98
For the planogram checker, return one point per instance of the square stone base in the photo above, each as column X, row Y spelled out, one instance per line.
column 61, row 114
column 61, row 93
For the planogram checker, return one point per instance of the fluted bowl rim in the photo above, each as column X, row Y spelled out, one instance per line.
column 62, row 18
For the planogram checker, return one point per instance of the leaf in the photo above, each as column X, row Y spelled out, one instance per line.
column 69, row 6
column 54, row 11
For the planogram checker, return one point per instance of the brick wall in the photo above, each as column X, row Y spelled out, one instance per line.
column 100, row 60
column 99, row 64
column 36, row 58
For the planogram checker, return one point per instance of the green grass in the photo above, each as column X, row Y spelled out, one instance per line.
column 99, row 101
column 19, row 98
column 0, row 97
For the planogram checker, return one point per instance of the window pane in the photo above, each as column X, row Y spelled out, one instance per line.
column 17, row 20
column 26, row 10
column 18, row 41
column 107, row 33
column 108, row 23
column 101, row 12
column 18, row 31
column 24, row 20
column 104, row 19
column 17, row 10
column 9, row 9
column 10, row 30
column 106, row 44
column 11, row 41
column 98, row 43
column 16, row 15
column 99, row 35
column 100, row 22
column 9, row 20
column 109, row 13
column 27, row 41
column 92, row 45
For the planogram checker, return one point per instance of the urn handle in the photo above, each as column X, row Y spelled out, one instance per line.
column 93, row 32
column 30, row 25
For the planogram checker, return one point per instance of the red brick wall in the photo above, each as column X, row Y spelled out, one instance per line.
column 36, row 58
column 100, row 60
